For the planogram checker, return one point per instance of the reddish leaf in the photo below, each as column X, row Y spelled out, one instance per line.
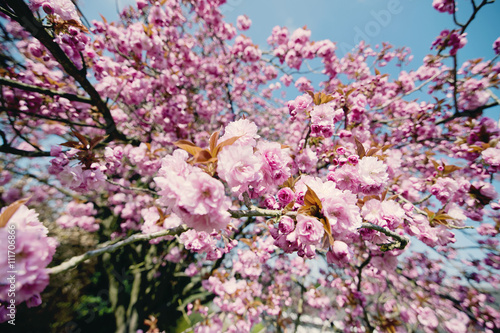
column 72, row 144
column 372, row 151
column 450, row 168
column 359, row 147
column 311, row 198
column 95, row 141
column 203, row 156
column 213, row 140
column 225, row 143
column 188, row 146
column 82, row 139
column 436, row 164
column 311, row 93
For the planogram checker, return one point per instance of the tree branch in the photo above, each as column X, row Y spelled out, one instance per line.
column 75, row 261
column 467, row 113
column 28, row 87
column 36, row 115
column 400, row 241
column 27, row 20
column 24, row 153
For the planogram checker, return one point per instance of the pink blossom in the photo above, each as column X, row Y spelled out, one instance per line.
column 450, row 38
column 340, row 207
column 346, row 178
column 444, row 6
column 308, row 231
column 339, row 253
column 372, row 174
column 243, row 22
column 64, row 8
column 491, row 156
column 243, row 128
column 307, row 160
column 285, row 196
column 239, row 167
column 275, row 161
column 455, row 325
column 286, row 225
column 286, row 80
column 427, row 318
column 33, row 251
column 496, row 46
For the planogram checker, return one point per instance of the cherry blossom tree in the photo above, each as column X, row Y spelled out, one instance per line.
column 215, row 204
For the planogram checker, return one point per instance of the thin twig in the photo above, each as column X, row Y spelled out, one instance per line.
column 131, row 188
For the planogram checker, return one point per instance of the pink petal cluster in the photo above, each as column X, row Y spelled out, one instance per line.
column 198, row 199
column 33, row 252
column 64, row 8
column 444, row 6
column 450, row 39
column 275, row 164
column 239, row 167
column 243, row 22
column 81, row 215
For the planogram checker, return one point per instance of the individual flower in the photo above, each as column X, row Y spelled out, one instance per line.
column 197, row 198
column 239, row 167
column 491, row 156
column 308, row 231
column 286, row 225
column 372, row 174
column 339, row 253
column 340, row 207
column 285, row 196
column 245, row 129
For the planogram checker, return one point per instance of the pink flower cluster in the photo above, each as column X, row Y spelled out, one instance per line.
column 451, row 39
column 75, row 177
column 203, row 242
column 243, row 22
column 473, row 94
column 496, row 46
column 302, row 237
column 33, row 252
column 367, row 175
column 444, row 6
column 299, row 104
column 64, row 8
column 197, row 198
column 293, row 49
column 323, row 118
column 248, row 164
column 491, row 157
column 81, row 215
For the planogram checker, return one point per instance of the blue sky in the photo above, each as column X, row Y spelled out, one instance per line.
column 412, row 23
